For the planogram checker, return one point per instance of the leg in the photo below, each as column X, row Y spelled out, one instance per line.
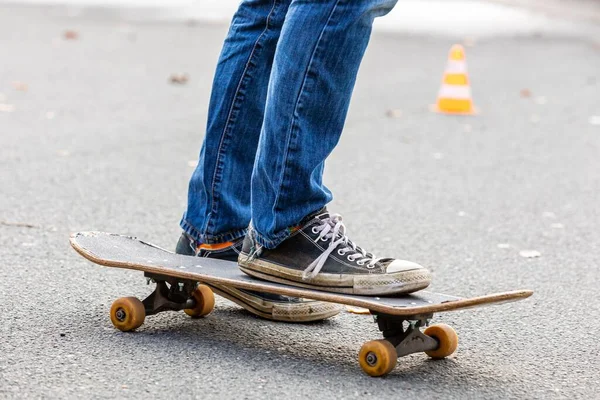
column 293, row 239
column 317, row 59
column 219, row 190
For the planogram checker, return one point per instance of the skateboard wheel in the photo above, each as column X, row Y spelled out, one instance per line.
column 446, row 337
column 377, row 357
column 127, row 313
column 205, row 302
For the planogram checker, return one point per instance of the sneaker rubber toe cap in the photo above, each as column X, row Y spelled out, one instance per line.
column 401, row 266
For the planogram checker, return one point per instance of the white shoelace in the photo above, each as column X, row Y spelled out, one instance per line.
column 334, row 230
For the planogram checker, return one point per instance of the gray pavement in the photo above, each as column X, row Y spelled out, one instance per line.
column 100, row 140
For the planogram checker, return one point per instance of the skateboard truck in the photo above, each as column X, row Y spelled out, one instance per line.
column 405, row 333
column 175, row 296
column 170, row 294
column 403, row 336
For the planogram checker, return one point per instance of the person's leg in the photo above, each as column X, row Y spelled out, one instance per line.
column 218, row 209
column 292, row 238
column 318, row 55
column 219, row 191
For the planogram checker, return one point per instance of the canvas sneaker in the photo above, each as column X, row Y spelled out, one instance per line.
column 319, row 255
column 271, row 306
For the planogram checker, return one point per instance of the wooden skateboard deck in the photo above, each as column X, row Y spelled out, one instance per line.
column 391, row 313
column 127, row 252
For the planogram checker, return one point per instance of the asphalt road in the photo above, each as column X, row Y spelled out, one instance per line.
column 100, row 140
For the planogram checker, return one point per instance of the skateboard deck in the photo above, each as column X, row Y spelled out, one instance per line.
column 187, row 272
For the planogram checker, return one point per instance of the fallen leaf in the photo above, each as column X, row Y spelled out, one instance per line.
column 358, row 310
column 525, row 93
column 180, row 79
column 393, row 113
column 8, row 108
column 21, row 86
column 530, row 253
column 71, row 35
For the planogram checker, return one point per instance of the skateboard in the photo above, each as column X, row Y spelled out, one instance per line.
column 186, row 283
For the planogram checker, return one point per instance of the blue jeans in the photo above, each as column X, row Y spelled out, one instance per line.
column 279, row 101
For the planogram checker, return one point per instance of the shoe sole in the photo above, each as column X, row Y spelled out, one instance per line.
column 403, row 282
column 305, row 311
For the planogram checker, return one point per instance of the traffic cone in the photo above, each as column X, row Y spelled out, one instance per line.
column 454, row 96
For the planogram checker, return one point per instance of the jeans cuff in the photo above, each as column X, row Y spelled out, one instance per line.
column 276, row 240
column 205, row 238
column 272, row 242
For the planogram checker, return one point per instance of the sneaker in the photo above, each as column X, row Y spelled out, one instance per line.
column 319, row 255
column 266, row 305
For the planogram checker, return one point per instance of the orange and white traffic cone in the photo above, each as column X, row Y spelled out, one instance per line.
column 454, row 96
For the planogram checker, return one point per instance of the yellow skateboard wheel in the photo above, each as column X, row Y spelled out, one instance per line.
column 446, row 337
column 205, row 302
column 127, row 313
column 377, row 357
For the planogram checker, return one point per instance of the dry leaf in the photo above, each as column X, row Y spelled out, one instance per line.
column 393, row 113
column 180, row 79
column 8, row 108
column 20, row 86
column 525, row 93
column 71, row 35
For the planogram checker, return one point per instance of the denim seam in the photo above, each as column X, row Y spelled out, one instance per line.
column 229, row 127
column 278, row 238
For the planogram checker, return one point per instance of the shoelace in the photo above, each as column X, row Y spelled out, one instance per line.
column 334, row 230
